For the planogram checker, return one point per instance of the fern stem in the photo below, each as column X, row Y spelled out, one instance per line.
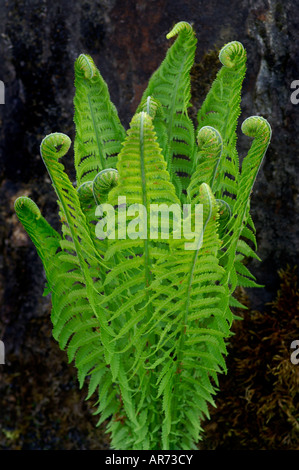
column 180, row 348
column 145, row 203
column 98, row 138
column 147, row 261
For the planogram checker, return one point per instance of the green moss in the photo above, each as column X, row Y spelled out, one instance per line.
column 258, row 406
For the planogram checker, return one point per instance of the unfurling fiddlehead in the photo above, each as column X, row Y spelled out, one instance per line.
column 183, row 27
column 221, row 110
column 103, row 183
column 206, row 161
column 231, row 54
column 55, row 146
column 86, row 64
column 85, row 192
column 170, row 85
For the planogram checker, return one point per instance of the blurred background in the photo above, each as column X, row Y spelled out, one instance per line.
column 41, row 406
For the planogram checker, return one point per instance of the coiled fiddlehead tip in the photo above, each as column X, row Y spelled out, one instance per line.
column 206, row 196
column 85, row 191
column 150, row 105
column 55, row 145
column 24, row 204
column 209, row 135
column 209, row 140
column 225, row 211
column 256, row 126
column 104, row 182
column 86, row 64
column 232, row 53
column 181, row 26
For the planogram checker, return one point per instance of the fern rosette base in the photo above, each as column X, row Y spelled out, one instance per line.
column 146, row 314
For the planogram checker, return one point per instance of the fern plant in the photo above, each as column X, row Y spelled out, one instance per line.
column 145, row 320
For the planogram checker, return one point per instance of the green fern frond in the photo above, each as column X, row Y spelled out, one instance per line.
column 258, row 128
column 170, row 84
column 44, row 237
column 99, row 132
column 221, row 110
column 188, row 318
column 155, row 110
column 143, row 179
column 53, row 147
column 75, row 326
column 207, row 156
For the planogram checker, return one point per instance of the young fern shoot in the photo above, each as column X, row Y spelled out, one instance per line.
column 143, row 304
